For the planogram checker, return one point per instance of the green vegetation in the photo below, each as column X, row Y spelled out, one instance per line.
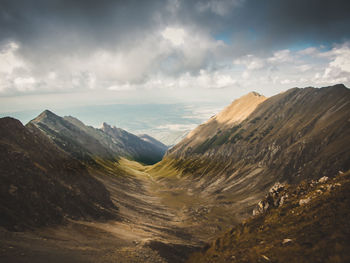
column 220, row 138
column 255, row 120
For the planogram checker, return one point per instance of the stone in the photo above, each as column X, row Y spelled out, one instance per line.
column 323, row 179
column 286, row 241
column 265, row 257
column 276, row 188
column 304, row 201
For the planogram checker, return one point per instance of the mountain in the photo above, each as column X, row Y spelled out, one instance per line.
column 310, row 224
column 145, row 151
column 42, row 185
column 222, row 122
column 153, row 141
column 71, row 138
column 274, row 171
column 87, row 143
column 239, row 154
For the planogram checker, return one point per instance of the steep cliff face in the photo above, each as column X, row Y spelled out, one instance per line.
column 295, row 135
column 42, row 185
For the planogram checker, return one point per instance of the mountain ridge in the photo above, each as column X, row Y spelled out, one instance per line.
column 87, row 143
column 295, row 135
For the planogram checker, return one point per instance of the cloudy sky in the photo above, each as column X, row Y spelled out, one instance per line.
column 64, row 53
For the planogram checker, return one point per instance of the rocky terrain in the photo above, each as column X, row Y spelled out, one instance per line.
column 261, row 156
column 311, row 224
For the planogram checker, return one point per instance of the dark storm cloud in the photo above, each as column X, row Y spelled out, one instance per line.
column 63, row 24
column 268, row 24
column 257, row 25
column 77, row 22
column 71, row 43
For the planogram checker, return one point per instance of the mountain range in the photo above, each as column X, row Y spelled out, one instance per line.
column 143, row 202
column 86, row 143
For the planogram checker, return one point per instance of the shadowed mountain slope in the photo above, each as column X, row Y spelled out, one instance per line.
column 42, row 185
column 153, row 141
column 136, row 148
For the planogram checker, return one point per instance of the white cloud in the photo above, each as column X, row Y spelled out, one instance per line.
column 308, row 51
column 124, row 87
column 9, row 61
column 304, row 67
column 175, row 35
column 25, row 83
column 314, row 66
column 175, row 58
column 178, row 127
column 250, row 62
column 281, row 56
column 338, row 68
column 14, row 75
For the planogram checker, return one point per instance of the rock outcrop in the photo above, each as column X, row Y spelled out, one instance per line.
column 315, row 231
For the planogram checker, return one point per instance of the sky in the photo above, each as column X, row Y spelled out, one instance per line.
column 61, row 54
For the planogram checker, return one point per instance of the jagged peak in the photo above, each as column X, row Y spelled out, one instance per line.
column 106, row 127
column 254, row 93
column 240, row 108
column 46, row 114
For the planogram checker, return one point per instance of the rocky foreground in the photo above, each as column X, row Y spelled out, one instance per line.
column 309, row 222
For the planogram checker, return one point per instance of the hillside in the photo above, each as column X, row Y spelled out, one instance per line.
column 41, row 185
column 311, row 224
column 296, row 135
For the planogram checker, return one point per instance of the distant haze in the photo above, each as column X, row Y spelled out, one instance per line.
column 166, row 122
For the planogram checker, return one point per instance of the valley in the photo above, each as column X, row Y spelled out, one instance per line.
column 158, row 223
column 74, row 193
